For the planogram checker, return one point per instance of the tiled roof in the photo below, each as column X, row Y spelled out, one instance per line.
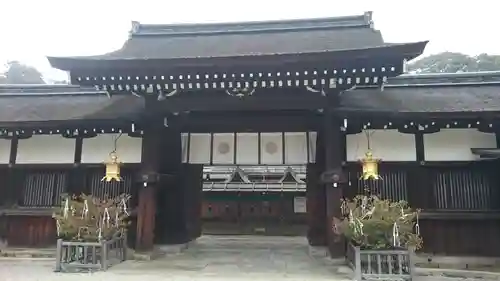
column 436, row 93
column 245, row 39
column 40, row 103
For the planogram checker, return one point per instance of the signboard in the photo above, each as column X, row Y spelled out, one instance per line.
column 300, row 204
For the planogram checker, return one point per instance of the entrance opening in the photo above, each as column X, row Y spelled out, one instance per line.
column 254, row 200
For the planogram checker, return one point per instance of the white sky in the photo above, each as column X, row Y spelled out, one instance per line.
column 32, row 29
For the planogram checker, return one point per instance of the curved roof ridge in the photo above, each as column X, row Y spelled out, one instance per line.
column 364, row 20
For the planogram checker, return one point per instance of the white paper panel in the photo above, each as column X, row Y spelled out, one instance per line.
column 199, row 150
column 184, row 145
column 247, row 149
column 271, row 148
column 296, row 148
column 97, row 149
column 455, row 144
column 300, row 205
column 388, row 145
column 223, row 149
column 312, row 146
column 44, row 149
column 5, row 151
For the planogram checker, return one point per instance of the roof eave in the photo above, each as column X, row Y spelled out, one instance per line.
column 360, row 112
column 401, row 51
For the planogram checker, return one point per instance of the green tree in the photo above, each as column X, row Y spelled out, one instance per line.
column 449, row 62
column 18, row 73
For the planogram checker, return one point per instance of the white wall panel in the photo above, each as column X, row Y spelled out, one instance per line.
column 45, row 149
column 388, row 145
column 223, row 149
column 199, row 150
column 5, row 151
column 247, row 148
column 97, row 149
column 455, row 144
column 296, row 148
column 271, row 148
column 312, row 146
column 184, row 146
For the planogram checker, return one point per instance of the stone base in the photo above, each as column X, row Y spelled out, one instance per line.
column 145, row 256
column 318, row 251
column 465, row 263
column 174, row 249
column 159, row 252
column 28, row 253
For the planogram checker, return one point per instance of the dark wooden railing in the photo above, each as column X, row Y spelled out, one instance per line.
column 77, row 256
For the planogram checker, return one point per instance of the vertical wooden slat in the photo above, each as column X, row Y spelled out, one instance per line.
column 464, row 188
column 43, row 188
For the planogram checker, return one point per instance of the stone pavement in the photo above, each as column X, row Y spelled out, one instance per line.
column 209, row 258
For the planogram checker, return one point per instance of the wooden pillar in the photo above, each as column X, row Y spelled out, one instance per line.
column 334, row 156
column 146, row 209
column 76, row 178
column 316, row 197
column 420, row 183
column 172, row 212
column 193, row 186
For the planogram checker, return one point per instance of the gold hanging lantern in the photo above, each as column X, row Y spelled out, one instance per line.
column 112, row 168
column 370, row 165
column 113, row 165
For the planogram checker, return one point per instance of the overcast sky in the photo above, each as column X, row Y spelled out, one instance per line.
column 32, row 29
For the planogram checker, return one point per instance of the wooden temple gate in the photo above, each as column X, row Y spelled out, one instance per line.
column 166, row 82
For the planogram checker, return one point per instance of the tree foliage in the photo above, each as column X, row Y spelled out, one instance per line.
column 449, row 62
column 89, row 219
column 18, row 73
column 373, row 223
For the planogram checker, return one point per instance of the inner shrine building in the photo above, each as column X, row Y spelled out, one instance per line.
column 256, row 124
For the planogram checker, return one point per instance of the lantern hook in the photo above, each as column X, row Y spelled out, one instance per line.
column 115, row 144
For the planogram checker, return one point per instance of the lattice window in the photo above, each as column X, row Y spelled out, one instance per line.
column 466, row 189
column 103, row 189
column 393, row 185
column 44, row 188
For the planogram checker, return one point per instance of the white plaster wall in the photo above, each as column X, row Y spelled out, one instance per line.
column 223, row 149
column 5, row 151
column 184, row 146
column 312, row 146
column 271, row 148
column 199, row 149
column 388, row 145
column 97, row 149
column 247, row 148
column 46, row 149
column 455, row 144
column 296, row 148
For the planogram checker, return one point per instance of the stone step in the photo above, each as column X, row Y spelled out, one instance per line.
column 43, row 253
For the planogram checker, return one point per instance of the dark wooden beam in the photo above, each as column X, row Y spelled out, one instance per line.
column 258, row 121
column 276, row 100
